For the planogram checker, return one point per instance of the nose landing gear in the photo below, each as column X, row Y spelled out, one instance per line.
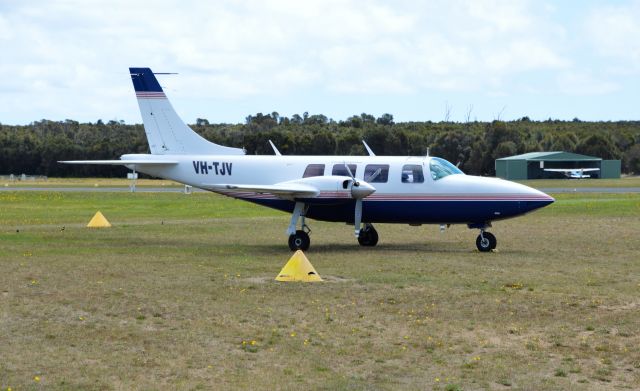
column 486, row 241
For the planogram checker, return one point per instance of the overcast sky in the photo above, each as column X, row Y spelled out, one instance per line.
column 417, row 60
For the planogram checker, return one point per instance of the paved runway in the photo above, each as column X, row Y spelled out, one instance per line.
column 102, row 189
column 591, row 190
column 550, row 190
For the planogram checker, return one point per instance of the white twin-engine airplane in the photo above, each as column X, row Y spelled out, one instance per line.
column 359, row 190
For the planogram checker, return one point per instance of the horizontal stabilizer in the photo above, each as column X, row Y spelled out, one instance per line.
column 121, row 162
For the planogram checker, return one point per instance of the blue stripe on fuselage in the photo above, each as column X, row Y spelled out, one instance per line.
column 409, row 212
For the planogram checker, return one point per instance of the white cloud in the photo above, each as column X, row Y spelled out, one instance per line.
column 585, row 83
column 615, row 32
column 255, row 48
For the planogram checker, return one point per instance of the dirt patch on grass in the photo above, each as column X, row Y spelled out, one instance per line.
column 264, row 280
column 622, row 307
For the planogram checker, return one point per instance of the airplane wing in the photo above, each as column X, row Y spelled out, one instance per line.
column 283, row 190
column 571, row 169
column 121, row 162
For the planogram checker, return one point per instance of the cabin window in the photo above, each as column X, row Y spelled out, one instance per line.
column 340, row 169
column 441, row 168
column 376, row 173
column 313, row 170
column 412, row 173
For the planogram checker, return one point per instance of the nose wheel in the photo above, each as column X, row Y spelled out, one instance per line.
column 486, row 241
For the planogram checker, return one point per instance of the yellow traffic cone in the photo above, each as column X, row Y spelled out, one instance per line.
column 99, row 221
column 298, row 268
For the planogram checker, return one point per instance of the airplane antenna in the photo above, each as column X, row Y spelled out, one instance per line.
column 427, row 151
column 275, row 149
column 369, row 150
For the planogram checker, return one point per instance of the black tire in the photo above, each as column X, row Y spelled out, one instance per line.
column 492, row 240
column 299, row 241
column 489, row 243
column 368, row 236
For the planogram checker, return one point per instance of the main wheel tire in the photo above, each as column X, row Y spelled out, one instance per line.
column 299, row 241
column 368, row 236
column 486, row 242
column 492, row 240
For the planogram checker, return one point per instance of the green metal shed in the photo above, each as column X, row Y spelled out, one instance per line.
column 532, row 165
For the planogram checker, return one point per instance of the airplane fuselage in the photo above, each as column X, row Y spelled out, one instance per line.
column 399, row 197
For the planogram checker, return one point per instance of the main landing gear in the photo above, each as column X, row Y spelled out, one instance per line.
column 299, row 241
column 368, row 236
column 299, row 238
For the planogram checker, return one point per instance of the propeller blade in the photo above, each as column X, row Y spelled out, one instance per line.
column 353, row 178
column 358, row 216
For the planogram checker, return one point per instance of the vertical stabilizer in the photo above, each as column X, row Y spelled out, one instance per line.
column 166, row 133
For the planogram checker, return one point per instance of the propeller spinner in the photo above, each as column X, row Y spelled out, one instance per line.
column 359, row 190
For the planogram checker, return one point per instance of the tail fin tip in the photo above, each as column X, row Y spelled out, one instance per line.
column 165, row 130
column 144, row 80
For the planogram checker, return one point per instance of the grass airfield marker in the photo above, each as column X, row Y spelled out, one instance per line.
column 298, row 268
column 99, row 221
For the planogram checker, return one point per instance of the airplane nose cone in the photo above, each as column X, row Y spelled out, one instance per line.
column 535, row 199
column 362, row 190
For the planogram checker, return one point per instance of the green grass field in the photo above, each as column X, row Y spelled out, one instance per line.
column 179, row 294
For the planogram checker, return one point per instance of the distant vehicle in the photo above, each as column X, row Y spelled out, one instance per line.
column 573, row 173
column 359, row 190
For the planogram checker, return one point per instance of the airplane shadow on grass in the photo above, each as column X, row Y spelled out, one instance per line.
column 381, row 248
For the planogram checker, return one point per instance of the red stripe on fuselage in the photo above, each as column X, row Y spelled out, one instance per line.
column 404, row 197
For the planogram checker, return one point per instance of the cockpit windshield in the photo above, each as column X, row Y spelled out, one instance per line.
column 441, row 168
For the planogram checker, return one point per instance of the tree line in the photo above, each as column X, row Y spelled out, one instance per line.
column 34, row 149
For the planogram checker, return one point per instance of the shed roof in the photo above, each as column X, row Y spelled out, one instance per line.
column 555, row 156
